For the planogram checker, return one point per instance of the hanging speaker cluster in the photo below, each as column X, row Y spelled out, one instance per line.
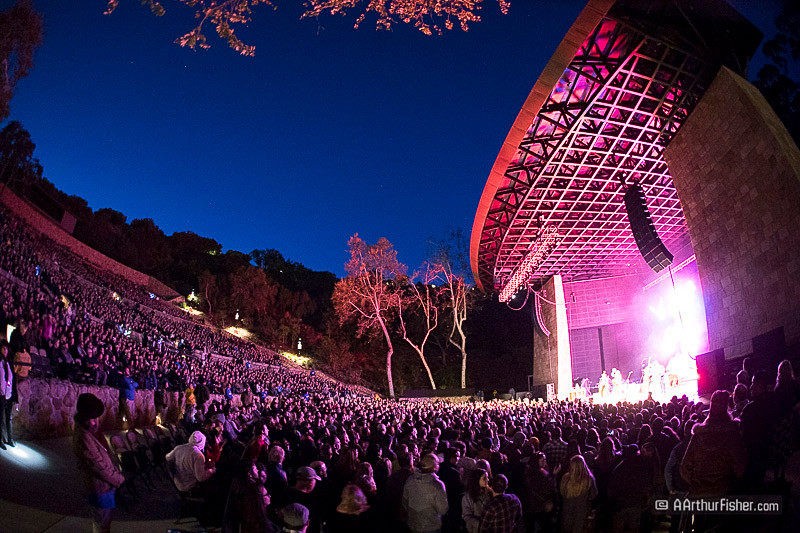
column 652, row 249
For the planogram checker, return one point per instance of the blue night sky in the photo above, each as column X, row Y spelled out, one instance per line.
column 323, row 134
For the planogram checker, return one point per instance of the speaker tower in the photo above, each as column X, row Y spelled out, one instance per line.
column 650, row 246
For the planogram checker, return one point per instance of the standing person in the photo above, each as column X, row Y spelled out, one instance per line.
column 758, row 421
column 450, row 475
column 503, row 513
column 395, row 486
column 352, row 514
column 250, row 499
column 6, row 391
column 127, row 393
column 20, row 345
column 629, row 490
column 555, row 450
column 716, row 455
column 539, row 496
column 476, row 497
column 202, row 394
column 425, row 498
column 715, row 458
column 100, row 476
column 787, row 389
column 578, row 489
column 277, row 480
column 303, row 493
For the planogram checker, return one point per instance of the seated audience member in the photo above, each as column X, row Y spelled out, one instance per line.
column 189, row 464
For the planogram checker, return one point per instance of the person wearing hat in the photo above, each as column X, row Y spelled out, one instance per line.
column 294, row 518
column 100, row 476
column 425, row 498
column 304, row 493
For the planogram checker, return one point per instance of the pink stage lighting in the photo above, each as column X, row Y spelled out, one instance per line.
column 677, row 318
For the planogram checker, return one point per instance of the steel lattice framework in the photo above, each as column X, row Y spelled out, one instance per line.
column 621, row 98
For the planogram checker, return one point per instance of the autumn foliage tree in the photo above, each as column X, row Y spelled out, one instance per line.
column 367, row 295
column 429, row 17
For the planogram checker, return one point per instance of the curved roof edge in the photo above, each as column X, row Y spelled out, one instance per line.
column 591, row 15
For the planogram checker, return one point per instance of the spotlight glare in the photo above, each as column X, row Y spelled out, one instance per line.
column 28, row 456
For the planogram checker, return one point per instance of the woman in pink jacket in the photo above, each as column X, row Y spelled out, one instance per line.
column 101, row 477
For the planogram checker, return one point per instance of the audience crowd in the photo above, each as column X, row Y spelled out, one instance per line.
column 286, row 450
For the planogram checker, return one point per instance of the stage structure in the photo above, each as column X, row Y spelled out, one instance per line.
column 618, row 89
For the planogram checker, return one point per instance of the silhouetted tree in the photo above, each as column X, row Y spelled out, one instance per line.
column 777, row 80
column 16, row 155
column 20, row 35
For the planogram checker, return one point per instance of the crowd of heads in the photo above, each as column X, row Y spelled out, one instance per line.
column 92, row 326
column 287, row 449
column 439, row 465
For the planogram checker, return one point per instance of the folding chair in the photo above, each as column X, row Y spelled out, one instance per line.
column 141, row 452
column 127, row 464
column 189, row 505
column 156, row 449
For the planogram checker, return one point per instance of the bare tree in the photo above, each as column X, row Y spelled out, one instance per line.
column 450, row 255
column 418, row 296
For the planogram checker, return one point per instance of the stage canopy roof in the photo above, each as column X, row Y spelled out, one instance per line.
column 626, row 76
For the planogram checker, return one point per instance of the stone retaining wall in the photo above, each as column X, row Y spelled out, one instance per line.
column 47, row 406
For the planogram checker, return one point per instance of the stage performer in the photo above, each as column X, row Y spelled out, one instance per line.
column 604, row 381
column 616, row 380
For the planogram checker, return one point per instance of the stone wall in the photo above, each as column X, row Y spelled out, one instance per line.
column 47, row 406
column 737, row 173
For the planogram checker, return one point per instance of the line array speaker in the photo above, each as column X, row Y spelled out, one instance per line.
column 650, row 246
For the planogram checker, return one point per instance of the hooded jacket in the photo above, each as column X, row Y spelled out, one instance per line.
column 189, row 462
column 425, row 501
column 714, row 459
